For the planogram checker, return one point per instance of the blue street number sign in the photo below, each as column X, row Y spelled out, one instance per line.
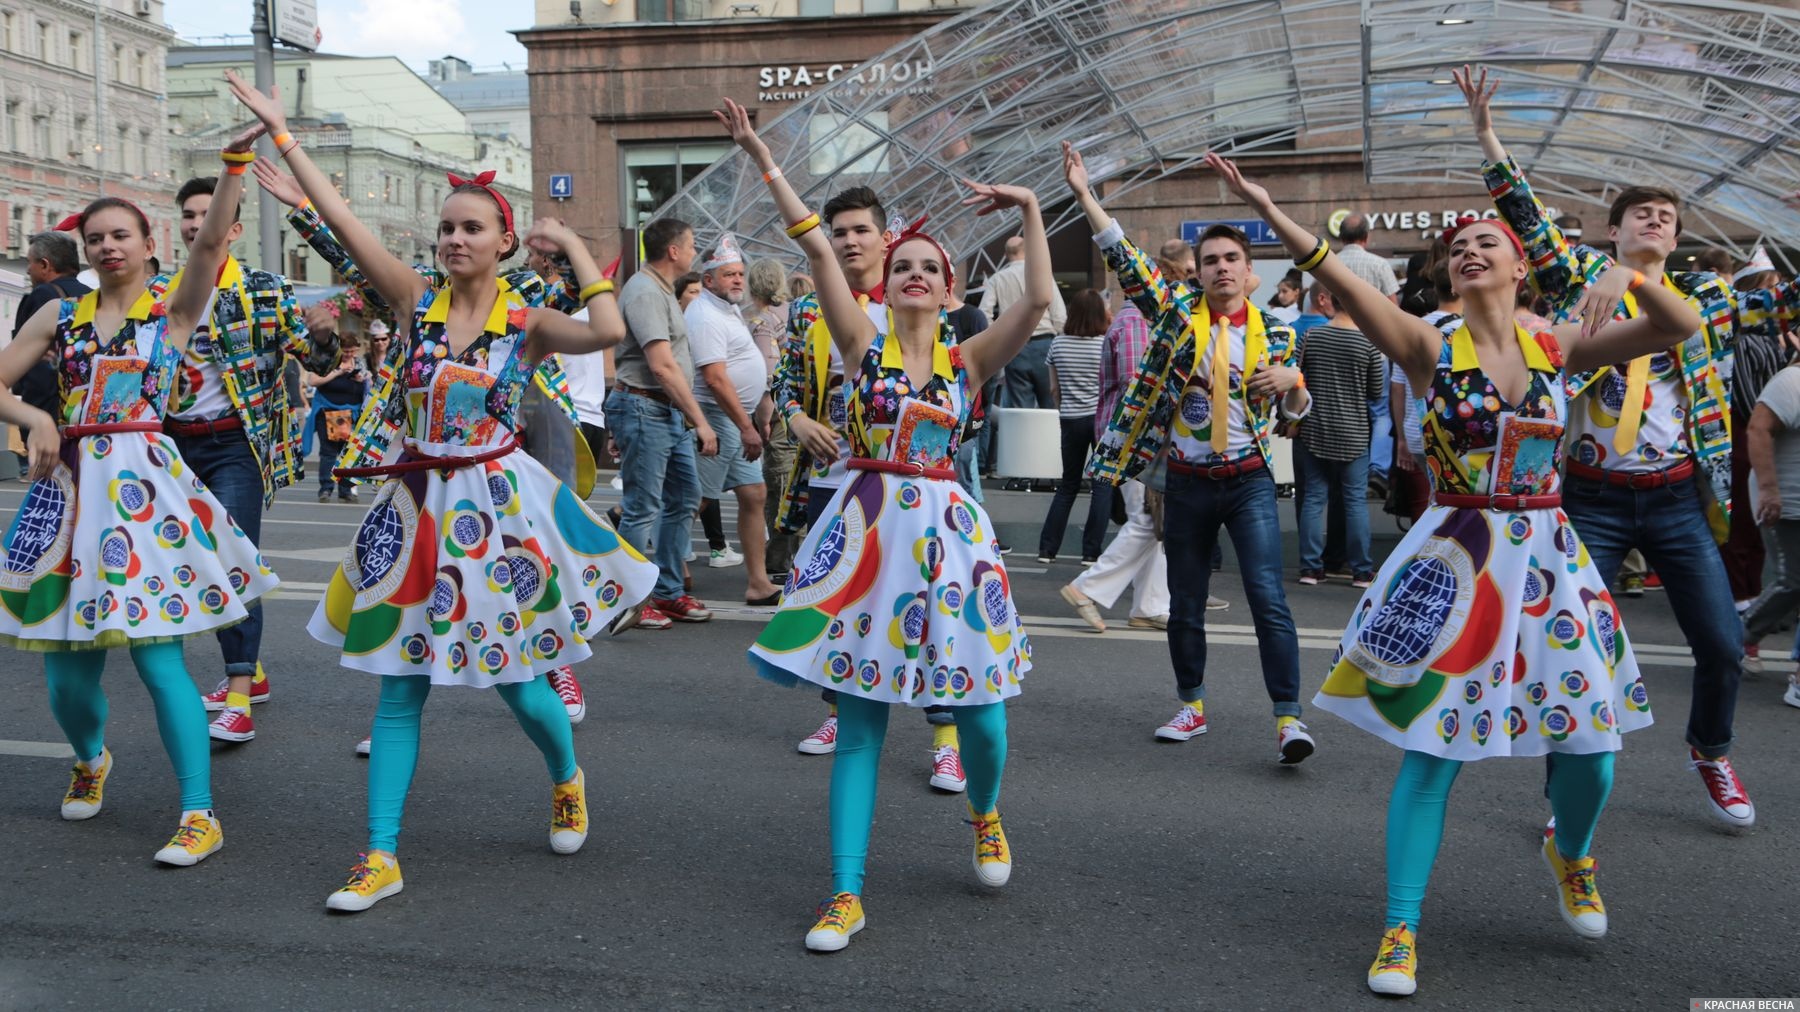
column 562, row 185
column 1258, row 230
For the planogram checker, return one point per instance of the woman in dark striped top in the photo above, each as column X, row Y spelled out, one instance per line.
column 1075, row 382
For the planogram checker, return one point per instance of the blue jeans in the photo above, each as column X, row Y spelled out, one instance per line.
column 1668, row 525
column 1194, row 508
column 1381, row 439
column 1077, row 440
column 968, row 466
column 225, row 462
column 990, row 399
column 662, row 484
column 1352, row 479
column 1028, row 376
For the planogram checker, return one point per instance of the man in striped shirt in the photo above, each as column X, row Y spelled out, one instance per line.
column 1343, row 372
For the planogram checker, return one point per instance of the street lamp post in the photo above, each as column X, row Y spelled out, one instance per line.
column 268, row 222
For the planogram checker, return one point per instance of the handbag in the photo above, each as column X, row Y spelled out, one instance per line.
column 339, row 425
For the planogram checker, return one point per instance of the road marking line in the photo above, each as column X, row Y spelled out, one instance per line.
column 37, row 749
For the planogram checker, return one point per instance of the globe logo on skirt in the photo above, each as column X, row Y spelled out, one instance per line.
column 1404, row 629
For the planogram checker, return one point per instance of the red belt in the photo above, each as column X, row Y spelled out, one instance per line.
column 410, row 462
column 914, row 470
column 185, row 427
column 1219, row 471
column 108, row 428
column 1637, row 480
column 656, row 395
column 1499, row 503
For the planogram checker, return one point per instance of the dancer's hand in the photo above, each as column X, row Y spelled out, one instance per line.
column 1273, row 381
column 1478, row 92
column 996, row 197
column 820, row 442
column 43, row 447
column 736, row 121
column 550, row 235
column 1250, row 193
column 280, row 185
column 246, row 139
column 1075, row 171
column 266, row 108
column 1601, row 298
column 319, row 318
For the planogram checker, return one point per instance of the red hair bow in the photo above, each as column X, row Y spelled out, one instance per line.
column 485, row 181
column 69, row 224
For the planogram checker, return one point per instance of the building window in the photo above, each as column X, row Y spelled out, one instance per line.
column 13, row 127
column 118, row 63
column 880, row 6
column 144, row 160
column 40, row 126
column 133, row 66
column 46, row 41
column 9, row 31
column 18, row 228
column 78, row 141
column 653, row 172
column 671, row 10
column 296, row 265
column 337, row 183
column 123, row 160
column 78, row 51
column 817, row 8
column 146, row 71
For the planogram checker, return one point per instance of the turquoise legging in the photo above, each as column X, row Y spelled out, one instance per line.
column 862, row 727
column 1577, row 784
column 79, row 705
column 394, row 743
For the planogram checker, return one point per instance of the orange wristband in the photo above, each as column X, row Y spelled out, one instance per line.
column 1637, row 281
column 236, row 168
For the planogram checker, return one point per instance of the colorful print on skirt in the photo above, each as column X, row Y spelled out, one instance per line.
column 483, row 575
column 898, row 595
column 1441, row 658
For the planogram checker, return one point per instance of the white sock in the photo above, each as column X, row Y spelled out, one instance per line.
column 93, row 764
column 191, row 812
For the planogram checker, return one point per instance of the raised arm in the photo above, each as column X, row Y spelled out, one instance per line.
column 1666, row 319
column 398, row 284
column 206, row 257
column 851, row 328
column 550, row 331
column 1405, row 338
column 1139, row 277
column 986, row 353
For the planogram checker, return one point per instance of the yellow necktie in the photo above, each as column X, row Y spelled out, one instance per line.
column 1631, row 412
column 1221, row 387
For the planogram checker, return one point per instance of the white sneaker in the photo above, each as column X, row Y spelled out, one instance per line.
column 1292, row 743
column 1792, row 696
column 362, row 748
column 568, row 689
column 1186, row 723
column 823, row 741
column 690, row 557
column 725, row 558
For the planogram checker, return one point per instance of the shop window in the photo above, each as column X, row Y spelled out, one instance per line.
column 652, row 173
column 671, row 10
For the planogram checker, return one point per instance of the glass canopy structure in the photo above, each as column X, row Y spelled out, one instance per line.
column 1702, row 96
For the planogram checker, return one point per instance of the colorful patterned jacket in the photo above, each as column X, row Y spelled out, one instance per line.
column 376, row 429
column 1140, row 424
column 255, row 325
column 800, row 386
column 1562, row 272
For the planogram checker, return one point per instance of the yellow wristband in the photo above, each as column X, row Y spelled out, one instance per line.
column 237, row 157
column 1315, row 258
column 803, row 226
column 600, row 287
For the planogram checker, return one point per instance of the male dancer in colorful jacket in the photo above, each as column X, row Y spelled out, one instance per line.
column 232, row 424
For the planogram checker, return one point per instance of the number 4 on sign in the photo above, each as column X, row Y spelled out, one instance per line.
column 562, row 185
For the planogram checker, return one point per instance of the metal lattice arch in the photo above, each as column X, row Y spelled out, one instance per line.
column 1701, row 96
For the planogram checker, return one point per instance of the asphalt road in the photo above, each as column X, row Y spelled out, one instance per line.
column 1146, row 874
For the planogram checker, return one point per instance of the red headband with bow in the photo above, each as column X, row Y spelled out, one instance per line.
column 910, row 233
column 484, row 180
column 73, row 222
column 1466, row 220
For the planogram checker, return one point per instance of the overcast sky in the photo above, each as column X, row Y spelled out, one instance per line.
column 414, row 30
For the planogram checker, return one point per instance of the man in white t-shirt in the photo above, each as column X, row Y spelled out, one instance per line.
column 587, row 389
column 1774, row 444
column 731, row 382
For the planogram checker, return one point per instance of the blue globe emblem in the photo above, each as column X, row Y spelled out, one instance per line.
column 379, row 542
column 940, row 680
column 525, row 578
column 1534, row 586
column 131, row 496
column 912, row 623
column 1612, row 392
column 1605, row 629
column 114, row 552
column 1661, row 363
column 962, row 518
column 1587, row 452
column 1563, row 628
column 35, row 529
column 171, row 529
column 466, row 529
column 1639, row 696
column 1403, row 630
column 1196, row 409
column 1557, row 721
column 953, row 598
column 993, row 602
column 499, row 490
column 825, row 557
column 1484, row 725
column 443, row 597
column 1472, row 691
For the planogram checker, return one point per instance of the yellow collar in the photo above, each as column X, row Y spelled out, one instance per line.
column 1462, row 351
column 85, row 307
column 439, row 310
column 891, row 358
